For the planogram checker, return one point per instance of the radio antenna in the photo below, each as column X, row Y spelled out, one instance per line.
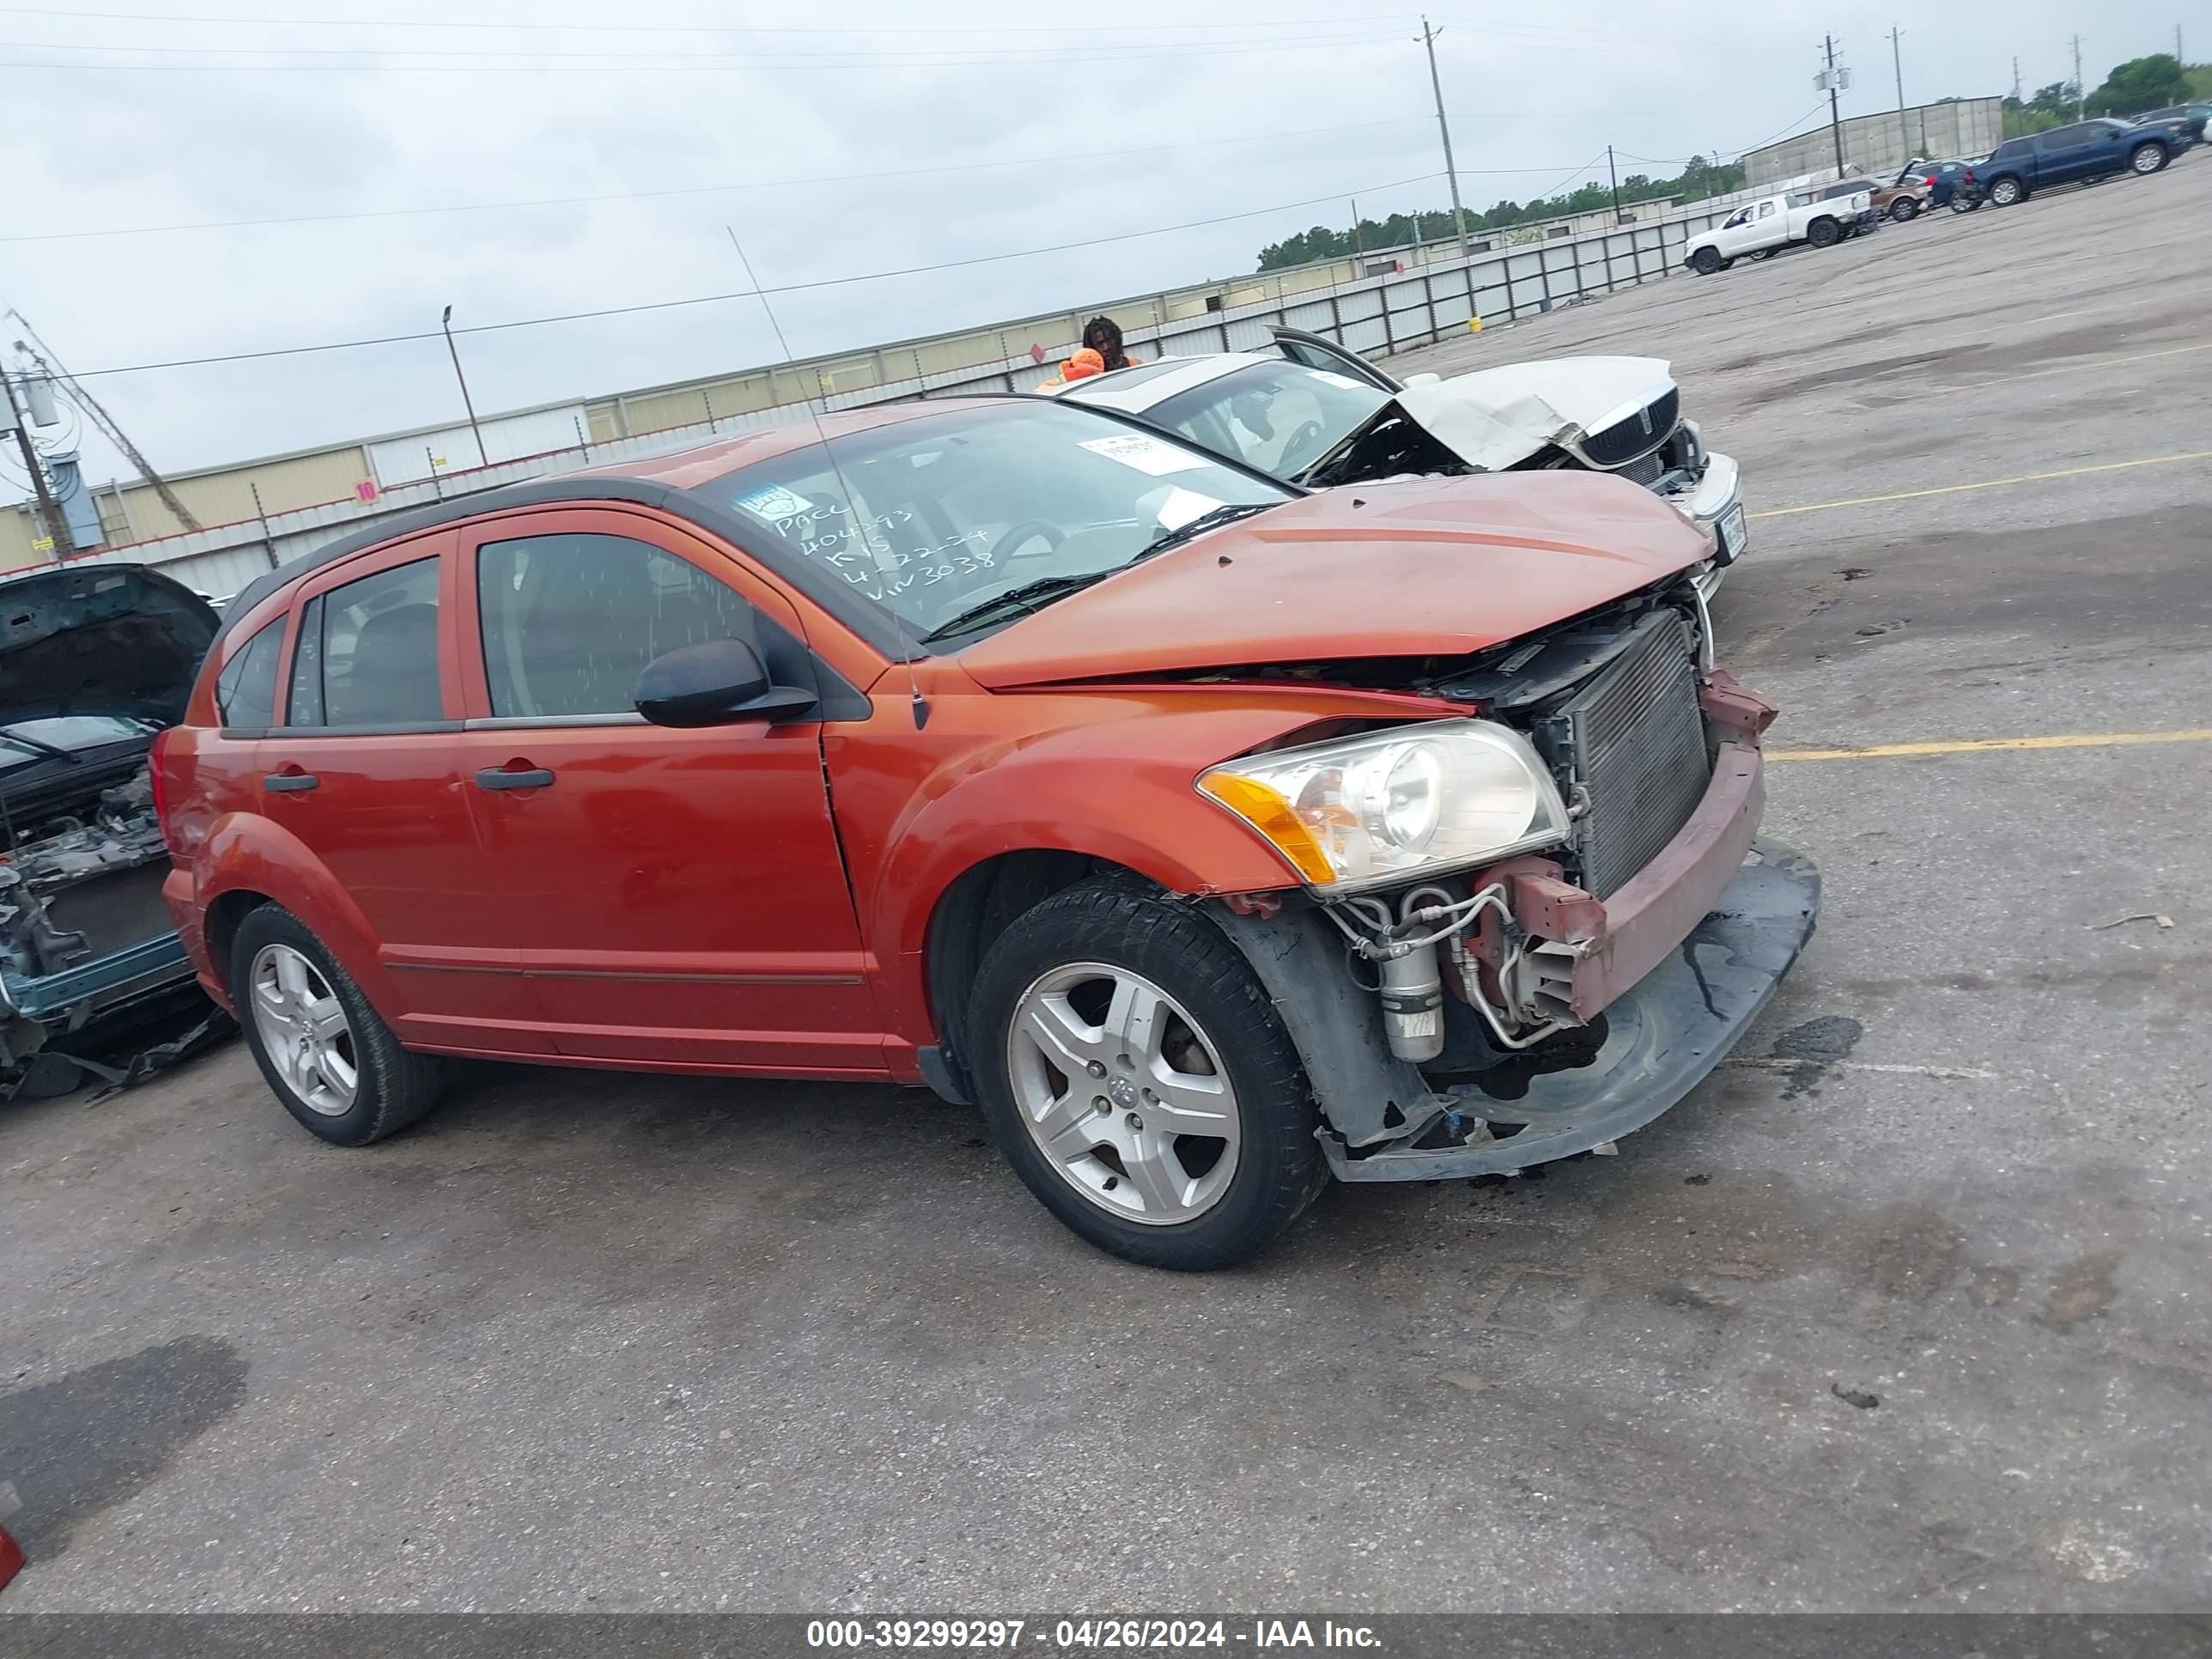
column 906, row 647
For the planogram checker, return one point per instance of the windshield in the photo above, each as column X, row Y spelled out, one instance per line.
column 947, row 512
column 1279, row 418
column 25, row 742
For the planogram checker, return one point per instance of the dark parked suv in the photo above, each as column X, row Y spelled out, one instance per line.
column 2087, row 149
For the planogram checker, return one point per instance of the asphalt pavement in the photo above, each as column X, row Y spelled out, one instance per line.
column 1905, row 1309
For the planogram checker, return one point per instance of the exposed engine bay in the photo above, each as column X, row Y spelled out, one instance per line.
column 1538, row 992
column 77, row 885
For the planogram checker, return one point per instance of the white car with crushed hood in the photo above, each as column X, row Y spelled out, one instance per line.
column 1312, row 412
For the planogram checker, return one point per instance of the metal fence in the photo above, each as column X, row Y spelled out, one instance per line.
column 1377, row 316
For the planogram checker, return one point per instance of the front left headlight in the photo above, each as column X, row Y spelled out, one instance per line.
column 1415, row 799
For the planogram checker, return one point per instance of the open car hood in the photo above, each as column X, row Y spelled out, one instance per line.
column 100, row 639
column 1496, row 417
column 1420, row 568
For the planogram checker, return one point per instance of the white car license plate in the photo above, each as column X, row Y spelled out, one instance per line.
column 1732, row 533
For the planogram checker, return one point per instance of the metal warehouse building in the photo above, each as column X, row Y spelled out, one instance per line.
column 1882, row 143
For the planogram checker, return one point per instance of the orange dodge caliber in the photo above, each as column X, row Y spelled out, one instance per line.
column 1214, row 836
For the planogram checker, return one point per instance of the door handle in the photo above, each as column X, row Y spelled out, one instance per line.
column 290, row 783
column 492, row 777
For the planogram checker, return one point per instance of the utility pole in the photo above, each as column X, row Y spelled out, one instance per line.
column 2015, row 80
column 483, row 456
column 1897, row 63
column 2077, row 78
column 1359, row 247
column 1614, row 173
column 1835, row 114
column 1437, row 86
column 92, row 406
column 50, row 510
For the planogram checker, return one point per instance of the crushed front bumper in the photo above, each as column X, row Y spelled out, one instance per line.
column 1715, row 505
column 1664, row 1035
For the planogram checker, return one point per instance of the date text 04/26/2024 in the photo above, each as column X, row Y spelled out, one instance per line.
column 1084, row 1635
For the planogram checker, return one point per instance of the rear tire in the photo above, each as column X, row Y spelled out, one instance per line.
column 1706, row 261
column 325, row 1053
column 2007, row 192
column 1904, row 211
column 1824, row 233
column 1135, row 992
column 2146, row 159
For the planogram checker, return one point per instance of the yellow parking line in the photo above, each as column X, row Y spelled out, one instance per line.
column 1987, row 483
column 1970, row 745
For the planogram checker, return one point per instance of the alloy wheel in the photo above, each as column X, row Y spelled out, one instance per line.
column 1123, row 1093
column 304, row 1030
column 2147, row 160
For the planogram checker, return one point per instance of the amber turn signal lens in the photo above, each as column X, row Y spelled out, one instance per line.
column 1265, row 811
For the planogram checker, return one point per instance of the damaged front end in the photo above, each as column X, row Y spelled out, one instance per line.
column 94, row 664
column 1617, row 415
column 1549, row 1000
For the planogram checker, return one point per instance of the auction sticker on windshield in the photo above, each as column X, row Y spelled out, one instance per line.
column 776, row 502
column 1145, row 455
column 1330, row 377
column 1182, row 506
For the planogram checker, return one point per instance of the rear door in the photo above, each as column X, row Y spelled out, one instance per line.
column 679, row 897
column 2065, row 153
column 363, row 772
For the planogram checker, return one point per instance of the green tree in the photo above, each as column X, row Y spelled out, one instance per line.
column 2141, row 84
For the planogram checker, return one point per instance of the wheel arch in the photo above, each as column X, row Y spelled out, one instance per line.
column 977, row 906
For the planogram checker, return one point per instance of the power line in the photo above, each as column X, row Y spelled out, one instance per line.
column 1118, row 31
column 714, row 190
column 743, row 294
column 1040, row 54
column 692, row 65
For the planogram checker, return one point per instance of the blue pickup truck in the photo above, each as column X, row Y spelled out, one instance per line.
column 2087, row 149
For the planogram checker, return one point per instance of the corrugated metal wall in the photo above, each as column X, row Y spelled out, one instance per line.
column 420, row 455
column 1882, row 143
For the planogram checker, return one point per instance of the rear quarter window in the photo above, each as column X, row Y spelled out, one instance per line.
column 246, row 691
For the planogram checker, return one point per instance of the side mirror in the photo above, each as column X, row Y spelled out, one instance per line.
column 1423, row 379
column 714, row 683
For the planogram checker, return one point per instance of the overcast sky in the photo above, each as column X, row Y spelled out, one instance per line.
column 805, row 93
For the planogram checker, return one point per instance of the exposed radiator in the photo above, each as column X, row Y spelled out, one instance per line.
column 1638, row 742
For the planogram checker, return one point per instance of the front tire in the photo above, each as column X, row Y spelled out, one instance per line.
column 1706, row 261
column 1903, row 209
column 326, row 1055
column 2146, row 159
column 2007, row 192
column 1203, row 1152
column 1824, row 233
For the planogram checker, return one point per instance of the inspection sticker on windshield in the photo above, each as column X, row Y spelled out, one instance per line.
column 1334, row 378
column 1145, row 455
column 774, row 502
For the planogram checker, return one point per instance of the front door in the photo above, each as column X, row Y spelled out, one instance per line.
column 1315, row 352
column 361, row 771
column 679, row 897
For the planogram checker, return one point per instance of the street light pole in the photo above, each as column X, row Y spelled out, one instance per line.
column 484, row 457
column 1614, row 173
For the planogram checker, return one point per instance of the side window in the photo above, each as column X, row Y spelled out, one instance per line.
column 246, row 691
column 1740, row 216
column 569, row 621
column 2058, row 138
column 305, row 706
column 1766, row 209
column 376, row 644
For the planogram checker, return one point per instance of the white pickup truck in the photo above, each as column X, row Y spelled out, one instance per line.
column 1765, row 227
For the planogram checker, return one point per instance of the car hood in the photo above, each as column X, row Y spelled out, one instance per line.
column 1420, row 567
column 103, row 639
column 1496, row 417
